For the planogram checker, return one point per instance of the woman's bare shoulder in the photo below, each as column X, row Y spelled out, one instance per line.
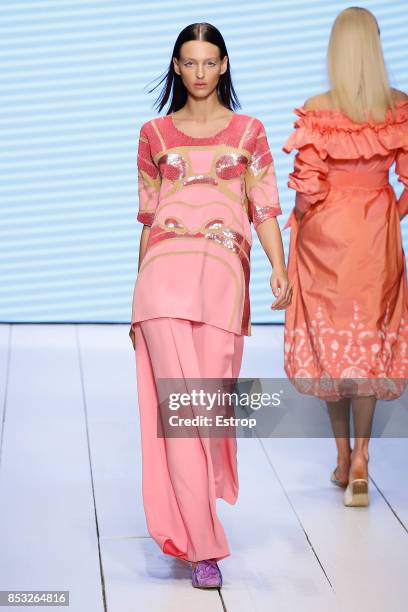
column 399, row 96
column 320, row 101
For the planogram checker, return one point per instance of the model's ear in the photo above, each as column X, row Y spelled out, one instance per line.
column 175, row 65
column 224, row 64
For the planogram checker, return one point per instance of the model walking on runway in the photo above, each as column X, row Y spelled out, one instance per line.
column 205, row 173
column 346, row 330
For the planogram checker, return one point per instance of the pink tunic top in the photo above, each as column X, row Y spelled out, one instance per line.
column 199, row 195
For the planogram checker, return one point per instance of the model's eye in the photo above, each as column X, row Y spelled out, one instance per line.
column 188, row 64
column 230, row 165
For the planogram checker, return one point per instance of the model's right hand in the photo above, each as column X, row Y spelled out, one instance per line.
column 132, row 337
column 281, row 289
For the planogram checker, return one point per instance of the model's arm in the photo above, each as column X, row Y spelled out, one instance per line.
column 149, row 181
column 270, row 237
column 309, row 179
column 144, row 237
column 263, row 198
column 309, row 176
column 401, row 169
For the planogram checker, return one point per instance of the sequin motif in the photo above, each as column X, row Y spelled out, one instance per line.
column 200, row 178
column 261, row 213
column 146, row 218
column 258, row 162
column 231, row 165
column 173, row 166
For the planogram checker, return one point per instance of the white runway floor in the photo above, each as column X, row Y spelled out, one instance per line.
column 71, row 513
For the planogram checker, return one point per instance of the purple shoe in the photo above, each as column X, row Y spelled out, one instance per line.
column 206, row 575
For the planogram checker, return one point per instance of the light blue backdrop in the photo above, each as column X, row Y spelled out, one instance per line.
column 74, row 79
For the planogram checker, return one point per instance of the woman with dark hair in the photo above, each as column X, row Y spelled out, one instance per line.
column 205, row 172
column 346, row 332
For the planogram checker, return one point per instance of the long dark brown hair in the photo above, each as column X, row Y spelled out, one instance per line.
column 174, row 88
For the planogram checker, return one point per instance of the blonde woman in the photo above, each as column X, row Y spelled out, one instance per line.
column 346, row 331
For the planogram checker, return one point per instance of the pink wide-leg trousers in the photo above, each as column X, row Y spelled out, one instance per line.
column 182, row 477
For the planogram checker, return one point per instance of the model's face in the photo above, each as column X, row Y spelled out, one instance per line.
column 200, row 67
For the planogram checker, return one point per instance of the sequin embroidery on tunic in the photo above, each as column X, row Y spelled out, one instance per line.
column 200, row 195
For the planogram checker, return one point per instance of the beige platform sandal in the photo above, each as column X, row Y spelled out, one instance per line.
column 356, row 493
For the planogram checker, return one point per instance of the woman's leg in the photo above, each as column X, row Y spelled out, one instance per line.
column 339, row 412
column 363, row 413
column 178, row 474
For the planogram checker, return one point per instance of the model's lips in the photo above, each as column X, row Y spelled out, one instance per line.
column 200, row 84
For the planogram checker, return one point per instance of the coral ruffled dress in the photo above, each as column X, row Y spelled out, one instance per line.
column 346, row 330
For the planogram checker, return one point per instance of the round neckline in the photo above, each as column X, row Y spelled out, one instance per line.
column 201, row 137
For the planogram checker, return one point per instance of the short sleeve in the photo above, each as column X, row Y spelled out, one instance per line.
column 309, row 178
column 260, row 182
column 401, row 169
column 149, row 180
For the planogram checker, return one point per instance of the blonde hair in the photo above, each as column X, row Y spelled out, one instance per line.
column 356, row 68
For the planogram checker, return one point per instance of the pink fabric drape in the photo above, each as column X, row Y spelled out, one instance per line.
column 182, row 477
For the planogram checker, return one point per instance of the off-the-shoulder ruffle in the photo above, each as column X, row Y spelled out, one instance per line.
column 333, row 133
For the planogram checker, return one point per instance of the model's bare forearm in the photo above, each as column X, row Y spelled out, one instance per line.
column 271, row 240
column 143, row 243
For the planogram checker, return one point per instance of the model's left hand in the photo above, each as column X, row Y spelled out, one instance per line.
column 281, row 289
